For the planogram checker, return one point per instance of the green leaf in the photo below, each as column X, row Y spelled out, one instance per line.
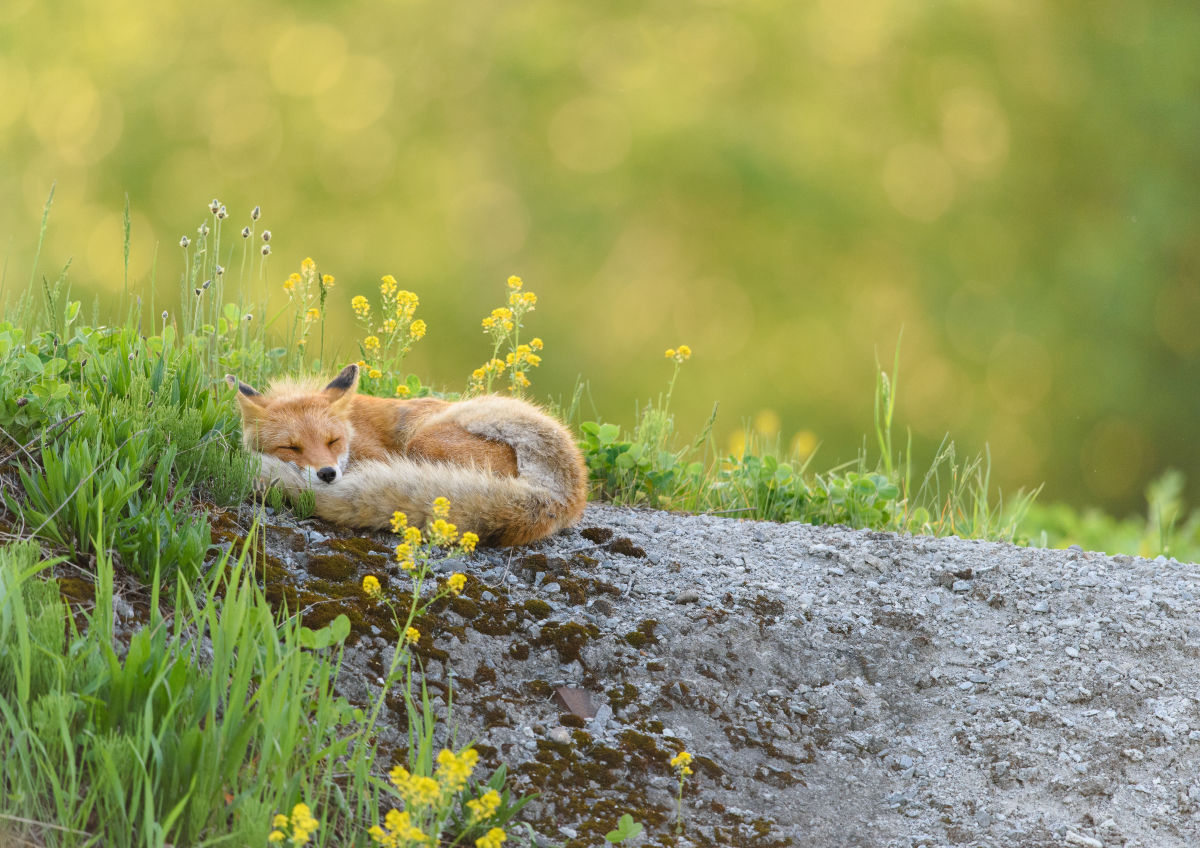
column 339, row 628
column 608, row 433
column 32, row 364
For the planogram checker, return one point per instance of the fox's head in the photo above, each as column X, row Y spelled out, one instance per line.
column 301, row 423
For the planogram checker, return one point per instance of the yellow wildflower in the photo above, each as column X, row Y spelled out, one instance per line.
column 417, row 330
column 485, row 806
column 536, row 344
column 308, row 266
column 413, row 535
column 454, row 769
column 275, row 836
column 407, row 299
column 441, row 507
column 520, row 378
column 291, row 282
column 514, row 298
column 399, row 521
column 389, row 326
column 534, row 360
column 403, row 390
column 478, row 374
column 407, row 565
column 681, row 763
column 455, row 583
column 374, row 373
column 442, row 532
column 388, row 286
column 529, row 298
column 360, row 305
column 371, row 343
column 685, row 351
column 501, row 313
column 312, row 314
column 327, row 281
column 370, row 585
column 400, row 830
column 399, row 776
column 514, row 282
column 412, row 635
column 280, row 820
column 507, row 325
column 670, row 353
column 403, row 551
column 468, row 541
column 494, row 838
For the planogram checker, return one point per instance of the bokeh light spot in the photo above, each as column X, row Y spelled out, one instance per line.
column 307, row 59
column 359, row 98
column 974, row 129
column 918, row 181
column 589, row 134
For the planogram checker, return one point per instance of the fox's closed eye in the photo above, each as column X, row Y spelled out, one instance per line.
column 291, row 448
column 334, row 441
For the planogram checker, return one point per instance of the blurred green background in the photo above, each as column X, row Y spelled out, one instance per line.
column 783, row 186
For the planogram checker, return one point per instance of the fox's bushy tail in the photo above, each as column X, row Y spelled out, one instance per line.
column 500, row 510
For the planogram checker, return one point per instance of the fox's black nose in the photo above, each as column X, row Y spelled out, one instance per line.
column 328, row 474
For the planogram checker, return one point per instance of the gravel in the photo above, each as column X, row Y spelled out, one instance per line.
column 838, row 687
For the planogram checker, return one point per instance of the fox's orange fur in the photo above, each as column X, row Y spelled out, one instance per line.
column 511, row 472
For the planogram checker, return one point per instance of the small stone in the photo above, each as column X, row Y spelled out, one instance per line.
column 687, row 596
column 1073, row 838
column 560, row 735
column 551, row 588
column 961, row 586
column 1071, row 651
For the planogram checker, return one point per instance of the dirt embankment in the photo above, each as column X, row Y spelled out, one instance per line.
column 836, row 687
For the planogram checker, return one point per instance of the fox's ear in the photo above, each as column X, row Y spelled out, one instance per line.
column 342, row 388
column 251, row 401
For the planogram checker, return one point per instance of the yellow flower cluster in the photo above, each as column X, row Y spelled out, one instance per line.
column 485, row 806
column 371, row 585
column 441, row 507
column 455, row 583
column 291, row 282
column 417, row 790
column 681, row 762
column 327, row 281
column 454, row 770
column 403, row 391
column 678, row 354
column 374, row 373
column 399, row 521
column 501, row 318
column 412, row 636
column 301, row 822
column 313, row 314
column 397, row 831
column 442, row 532
column 390, row 339
column 468, row 541
column 494, row 838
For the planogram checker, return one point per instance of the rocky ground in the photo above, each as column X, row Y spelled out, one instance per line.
column 837, row 687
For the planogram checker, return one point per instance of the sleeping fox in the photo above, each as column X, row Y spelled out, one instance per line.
column 511, row 472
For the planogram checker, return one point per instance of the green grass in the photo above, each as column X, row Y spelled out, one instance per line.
column 117, row 439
